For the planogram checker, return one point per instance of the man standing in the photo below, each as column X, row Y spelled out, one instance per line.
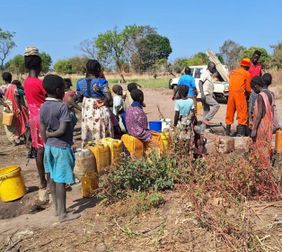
column 206, row 85
column 239, row 90
column 255, row 70
column 188, row 80
column 255, row 67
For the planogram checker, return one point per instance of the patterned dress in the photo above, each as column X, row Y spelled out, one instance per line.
column 96, row 122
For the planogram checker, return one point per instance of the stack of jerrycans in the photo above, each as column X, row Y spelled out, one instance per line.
column 86, row 171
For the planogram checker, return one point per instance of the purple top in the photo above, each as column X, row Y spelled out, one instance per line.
column 137, row 123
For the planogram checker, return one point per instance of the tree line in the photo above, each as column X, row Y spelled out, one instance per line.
column 135, row 48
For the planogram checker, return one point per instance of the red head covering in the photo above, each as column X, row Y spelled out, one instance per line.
column 245, row 62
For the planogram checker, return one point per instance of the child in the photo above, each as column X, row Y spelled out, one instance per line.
column 69, row 99
column 267, row 79
column 119, row 106
column 184, row 108
column 57, row 132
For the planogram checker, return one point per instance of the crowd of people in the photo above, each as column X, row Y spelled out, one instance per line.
column 44, row 112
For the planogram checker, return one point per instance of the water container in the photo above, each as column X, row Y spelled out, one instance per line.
column 166, row 124
column 155, row 126
column 199, row 107
column 133, row 145
column 115, row 149
column 7, row 118
column 165, row 141
column 89, row 183
column 12, row 185
column 278, row 141
column 84, row 162
column 102, row 156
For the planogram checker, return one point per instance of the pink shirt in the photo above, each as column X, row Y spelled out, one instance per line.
column 255, row 70
column 34, row 92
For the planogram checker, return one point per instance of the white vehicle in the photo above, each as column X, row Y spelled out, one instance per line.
column 221, row 87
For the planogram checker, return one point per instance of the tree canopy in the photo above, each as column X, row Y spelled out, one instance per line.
column 265, row 59
column 72, row 65
column 16, row 64
column 277, row 56
column 6, row 45
column 124, row 49
column 231, row 53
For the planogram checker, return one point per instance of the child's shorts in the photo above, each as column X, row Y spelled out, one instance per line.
column 59, row 162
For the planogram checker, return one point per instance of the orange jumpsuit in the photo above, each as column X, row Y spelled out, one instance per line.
column 239, row 89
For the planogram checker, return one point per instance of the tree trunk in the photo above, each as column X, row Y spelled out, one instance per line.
column 122, row 78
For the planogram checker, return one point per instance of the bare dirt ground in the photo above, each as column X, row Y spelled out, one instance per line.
column 172, row 227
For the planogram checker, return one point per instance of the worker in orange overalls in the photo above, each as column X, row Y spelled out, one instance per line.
column 239, row 90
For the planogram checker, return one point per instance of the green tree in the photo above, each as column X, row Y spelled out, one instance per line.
column 199, row 58
column 152, row 48
column 116, row 48
column 78, row 64
column 46, row 61
column 63, row 67
column 277, row 56
column 231, row 53
column 16, row 64
column 265, row 59
column 6, row 45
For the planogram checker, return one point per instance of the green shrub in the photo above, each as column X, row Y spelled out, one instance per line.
column 153, row 173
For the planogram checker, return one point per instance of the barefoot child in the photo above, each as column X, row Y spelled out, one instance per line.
column 57, row 132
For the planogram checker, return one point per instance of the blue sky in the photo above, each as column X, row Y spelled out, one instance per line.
column 58, row 26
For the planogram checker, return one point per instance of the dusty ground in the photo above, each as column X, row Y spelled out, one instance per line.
column 170, row 228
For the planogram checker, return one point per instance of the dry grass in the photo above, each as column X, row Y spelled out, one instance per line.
column 276, row 86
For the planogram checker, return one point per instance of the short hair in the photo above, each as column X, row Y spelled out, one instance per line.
column 257, row 52
column 68, row 82
column 183, row 91
column 137, row 94
column 6, row 76
column 131, row 86
column 17, row 83
column 52, row 82
column 117, row 89
column 187, row 70
column 93, row 67
column 32, row 62
column 267, row 79
column 257, row 80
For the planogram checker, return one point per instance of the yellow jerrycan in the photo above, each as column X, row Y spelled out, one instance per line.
column 134, row 146
column 115, row 149
column 278, row 141
column 102, row 155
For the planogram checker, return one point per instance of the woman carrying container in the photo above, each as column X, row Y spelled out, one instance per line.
column 94, row 90
column 16, row 131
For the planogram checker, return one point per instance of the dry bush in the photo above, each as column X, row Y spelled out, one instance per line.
column 220, row 186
